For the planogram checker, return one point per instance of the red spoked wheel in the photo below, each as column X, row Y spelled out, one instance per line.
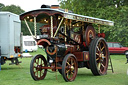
column 90, row 34
column 99, row 56
column 36, row 65
column 69, row 67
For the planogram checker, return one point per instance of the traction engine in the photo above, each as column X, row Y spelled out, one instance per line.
column 70, row 42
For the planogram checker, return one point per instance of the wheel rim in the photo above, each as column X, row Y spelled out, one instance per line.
column 36, row 70
column 98, row 56
column 70, row 69
column 101, row 56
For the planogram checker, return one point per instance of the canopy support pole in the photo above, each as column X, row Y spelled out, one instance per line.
column 35, row 26
column 51, row 26
column 65, row 30
column 98, row 28
column 59, row 26
column 29, row 29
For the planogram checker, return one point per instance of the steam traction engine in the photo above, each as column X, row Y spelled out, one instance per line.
column 70, row 42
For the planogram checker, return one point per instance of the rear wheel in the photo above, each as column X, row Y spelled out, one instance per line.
column 69, row 67
column 98, row 54
column 36, row 65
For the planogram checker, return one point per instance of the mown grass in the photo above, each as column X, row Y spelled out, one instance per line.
column 20, row 75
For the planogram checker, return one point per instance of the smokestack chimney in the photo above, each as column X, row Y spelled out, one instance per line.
column 55, row 6
column 45, row 6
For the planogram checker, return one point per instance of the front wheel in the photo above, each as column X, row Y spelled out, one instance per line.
column 36, row 65
column 99, row 56
column 69, row 67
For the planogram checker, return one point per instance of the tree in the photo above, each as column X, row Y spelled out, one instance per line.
column 13, row 8
column 114, row 10
column 1, row 6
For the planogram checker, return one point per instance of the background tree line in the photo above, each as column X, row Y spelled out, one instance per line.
column 17, row 10
column 114, row 10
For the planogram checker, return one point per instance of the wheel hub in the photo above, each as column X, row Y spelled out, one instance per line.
column 39, row 67
column 72, row 68
column 101, row 56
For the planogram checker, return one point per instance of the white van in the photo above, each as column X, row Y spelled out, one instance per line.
column 29, row 44
column 10, row 38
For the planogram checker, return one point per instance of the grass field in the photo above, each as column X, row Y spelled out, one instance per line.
column 20, row 75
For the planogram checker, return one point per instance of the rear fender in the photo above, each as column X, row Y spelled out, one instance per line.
column 43, row 42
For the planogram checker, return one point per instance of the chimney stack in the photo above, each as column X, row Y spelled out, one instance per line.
column 55, row 7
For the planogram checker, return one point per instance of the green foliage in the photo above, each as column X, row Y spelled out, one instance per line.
column 13, row 9
column 114, row 10
column 1, row 6
column 24, row 28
